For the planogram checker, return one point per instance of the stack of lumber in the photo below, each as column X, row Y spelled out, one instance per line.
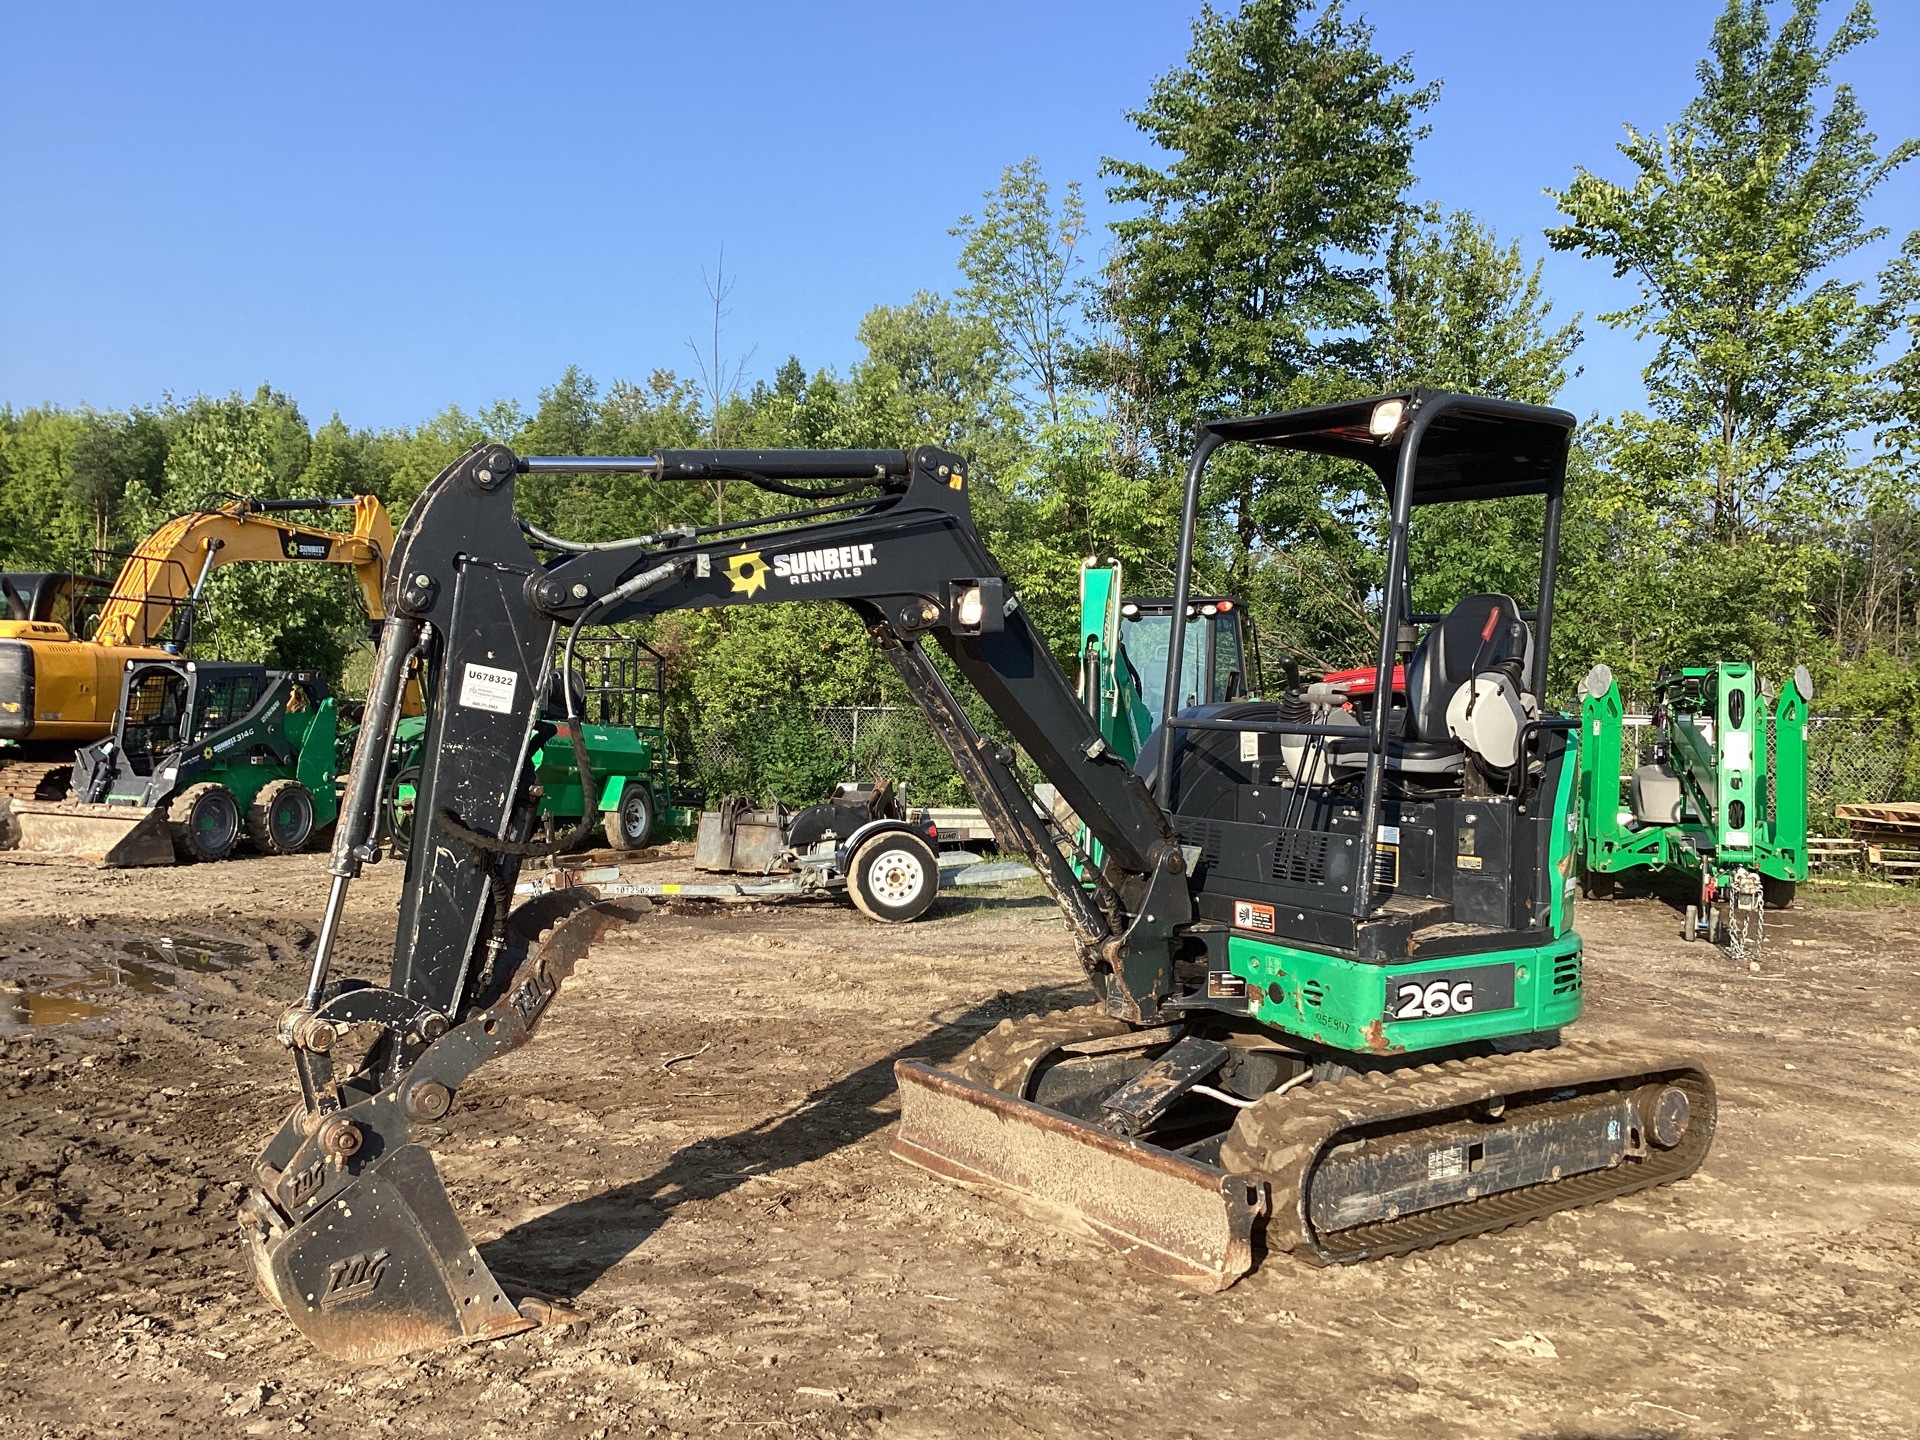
column 1889, row 833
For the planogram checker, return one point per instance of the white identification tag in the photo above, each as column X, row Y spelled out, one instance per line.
column 1249, row 744
column 488, row 689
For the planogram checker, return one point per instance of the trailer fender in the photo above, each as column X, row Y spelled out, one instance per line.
column 844, row 851
column 611, row 789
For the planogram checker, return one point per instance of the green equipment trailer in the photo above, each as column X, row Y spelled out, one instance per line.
column 1722, row 801
column 203, row 755
column 619, row 703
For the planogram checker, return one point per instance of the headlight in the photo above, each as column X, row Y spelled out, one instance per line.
column 971, row 609
column 1386, row 418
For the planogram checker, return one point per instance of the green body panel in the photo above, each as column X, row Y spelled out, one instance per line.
column 1719, row 762
column 1352, row 996
column 1122, row 715
column 617, row 754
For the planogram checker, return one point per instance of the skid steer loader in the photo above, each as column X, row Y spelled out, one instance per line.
column 1331, row 978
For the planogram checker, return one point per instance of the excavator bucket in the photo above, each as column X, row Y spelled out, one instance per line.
column 114, row 836
column 348, row 1225
column 1181, row 1218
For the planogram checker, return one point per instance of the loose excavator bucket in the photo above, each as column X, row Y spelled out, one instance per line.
column 349, row 1226
column 1178, row 1217
column 115, row 836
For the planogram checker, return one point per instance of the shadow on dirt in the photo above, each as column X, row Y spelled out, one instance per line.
column 571, row 1247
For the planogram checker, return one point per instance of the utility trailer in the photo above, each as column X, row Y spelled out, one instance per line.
column 1332, row 962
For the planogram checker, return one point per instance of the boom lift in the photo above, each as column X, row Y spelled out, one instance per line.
column 1330, row 990
column 1723, row 801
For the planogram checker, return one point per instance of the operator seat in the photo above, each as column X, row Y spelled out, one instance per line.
column 1482, row 633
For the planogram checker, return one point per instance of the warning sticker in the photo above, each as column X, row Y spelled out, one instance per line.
column 1249, row 744
column 1252, row 915
column 484, row 688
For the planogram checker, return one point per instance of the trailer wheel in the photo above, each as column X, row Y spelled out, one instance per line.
column 894, row 877
column 1778, row 894
column 1597, row 884
column 280, row 820
column 1690, row 926
column 204, row 821
column 629, row 824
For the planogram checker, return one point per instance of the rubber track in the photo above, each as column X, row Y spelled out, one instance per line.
column 1283, row 1139
column 1004, row 1058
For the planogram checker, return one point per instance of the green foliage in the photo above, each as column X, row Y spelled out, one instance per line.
column 1019, row 260
column 1732, row 229
column 1251, row 268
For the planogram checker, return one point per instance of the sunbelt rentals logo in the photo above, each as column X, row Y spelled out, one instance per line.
column 834, row 562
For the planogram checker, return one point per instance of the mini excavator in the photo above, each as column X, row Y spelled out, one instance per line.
column 1332, row 958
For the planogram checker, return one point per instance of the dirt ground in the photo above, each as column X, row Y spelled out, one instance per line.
column 696, row 1147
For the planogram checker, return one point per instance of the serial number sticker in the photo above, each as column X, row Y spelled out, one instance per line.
column 1225, row 985
column 484, row 688
column 1252, row 915
column 1446, row 1164
column 1436, row 993
column 1469, row 862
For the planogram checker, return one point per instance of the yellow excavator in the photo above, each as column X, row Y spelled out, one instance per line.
column 58, row 692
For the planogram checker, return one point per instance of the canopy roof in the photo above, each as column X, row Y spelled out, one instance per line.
column 1471, row 447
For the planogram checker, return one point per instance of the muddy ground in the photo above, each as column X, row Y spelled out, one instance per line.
column 695, row 1147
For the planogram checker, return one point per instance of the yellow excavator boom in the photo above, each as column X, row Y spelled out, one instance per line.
column 170, row 566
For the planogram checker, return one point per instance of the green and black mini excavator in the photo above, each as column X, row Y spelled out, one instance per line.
column 1330, row 934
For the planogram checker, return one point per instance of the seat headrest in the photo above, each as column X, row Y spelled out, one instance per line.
column 1480, row 633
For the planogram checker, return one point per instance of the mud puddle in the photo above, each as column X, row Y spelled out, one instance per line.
column 79, row 980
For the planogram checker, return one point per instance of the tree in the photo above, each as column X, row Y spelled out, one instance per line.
column 1250, row 276
column 1467, row 313
column 1019, row 258
column 1252, row 267
column 1734, row 229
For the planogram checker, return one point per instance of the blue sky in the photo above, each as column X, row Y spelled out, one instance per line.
column 384, row 209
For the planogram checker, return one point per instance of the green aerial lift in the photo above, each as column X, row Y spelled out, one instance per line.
column 1723, row 800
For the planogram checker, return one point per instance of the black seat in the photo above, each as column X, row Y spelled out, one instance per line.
column 1481, row 633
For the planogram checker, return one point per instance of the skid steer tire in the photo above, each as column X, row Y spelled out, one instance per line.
column 280, row 820
column 204, row 821
column 894, row 877
column 629, row 824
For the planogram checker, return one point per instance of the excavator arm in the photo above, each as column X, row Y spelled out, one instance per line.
column 164, row 576
column 488, row 605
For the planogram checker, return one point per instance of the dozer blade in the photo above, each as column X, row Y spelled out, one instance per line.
column 116, row 836
column 1176, row 1216
column 349, row 1227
